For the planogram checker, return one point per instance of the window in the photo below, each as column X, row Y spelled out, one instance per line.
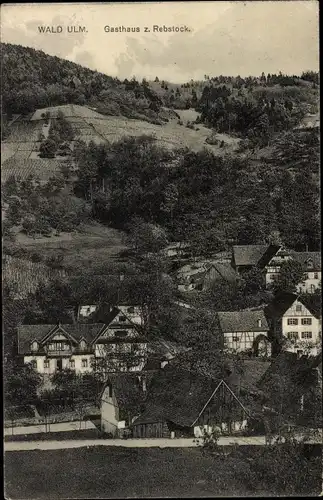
column 72, row 363
column 83, row 345
column 131, row 310
column 120, row 333
column 122, row 319
column 306, row 321
column 306, row 335
column 292, row 321
column 34, row 364
column 309, row 264
column 84, row 363
column 298, row 308
column 34, row 346
column 235, row 339
column 312, row 288
column 316, row 276
column 292, row 335
column 46, row 363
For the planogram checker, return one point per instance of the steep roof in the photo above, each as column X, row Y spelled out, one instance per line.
column 176, row 395
column 243, row 321
column 305, row 258
column 248, row 376
column 284, row 300
column 248, row 255
column 28, row 333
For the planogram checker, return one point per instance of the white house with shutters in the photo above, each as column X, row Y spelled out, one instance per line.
column 298, row 323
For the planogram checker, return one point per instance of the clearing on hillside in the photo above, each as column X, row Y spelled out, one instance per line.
column 92, row 244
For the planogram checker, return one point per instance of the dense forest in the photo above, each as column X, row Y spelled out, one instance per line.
column 199, row 196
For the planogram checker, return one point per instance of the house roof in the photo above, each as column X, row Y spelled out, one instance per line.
column 248, row 376
column 196, row 273
column 283, row 301
column 179, row 396
column 128, row 389
column 176, row 395
column 28, row 333
column 305, row 258
column 268, row 255
column 242, row 321
column 248, row 255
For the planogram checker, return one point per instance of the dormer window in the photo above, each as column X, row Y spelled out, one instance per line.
column 259, row 323
column 34, row 346
column 82, row 345
column 309, row 264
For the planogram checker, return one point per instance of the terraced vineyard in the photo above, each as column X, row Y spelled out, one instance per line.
column 20, row 149
column 20, row 167
column 24, row 276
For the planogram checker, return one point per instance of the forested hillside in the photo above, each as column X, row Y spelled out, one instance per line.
column 32, row 79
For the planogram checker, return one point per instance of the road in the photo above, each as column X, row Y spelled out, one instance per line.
column 129, row 443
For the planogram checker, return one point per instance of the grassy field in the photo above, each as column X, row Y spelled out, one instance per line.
column 101, row 472
column 117, row 472
column 93, row 244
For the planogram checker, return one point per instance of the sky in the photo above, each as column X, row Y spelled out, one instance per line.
column 228, row 38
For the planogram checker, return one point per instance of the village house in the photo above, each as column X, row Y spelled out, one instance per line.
column 311, row 262
column 180, row 249
column 245, row 331
column 268, row 258
column 121, row 401
column 184, row 404
column 117, row 344
column 295, row 324
column 199, row 276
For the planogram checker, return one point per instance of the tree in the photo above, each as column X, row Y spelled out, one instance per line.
column 290, row 275
column 146, row 237
column 48, row 149
column 21, row 384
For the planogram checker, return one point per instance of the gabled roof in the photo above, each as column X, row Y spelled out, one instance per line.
column 196, row 273
column 283, row 301
column 29, row 333
column 179, row 396
column 110, row 316
column 176, row 395
column 243, row 321
column 248, row 255
column 305, row 258
column 268, row 255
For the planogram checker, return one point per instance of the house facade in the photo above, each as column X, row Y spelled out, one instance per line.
column 270, row 259
column 311, row 262
column 296, row 322
column 245, row 331
column 116, row 345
